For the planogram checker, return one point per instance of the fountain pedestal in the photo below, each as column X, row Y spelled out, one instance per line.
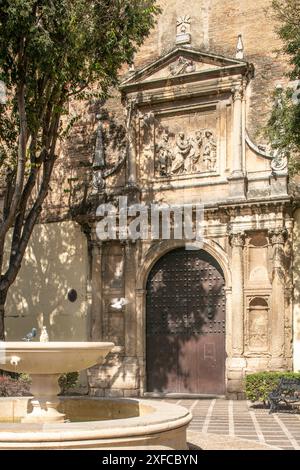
column 44, row 389
column 45, row 362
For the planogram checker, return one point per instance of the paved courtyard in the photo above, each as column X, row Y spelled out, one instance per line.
column 241, row 419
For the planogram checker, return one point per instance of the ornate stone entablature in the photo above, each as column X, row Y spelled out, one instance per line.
column 187, row 103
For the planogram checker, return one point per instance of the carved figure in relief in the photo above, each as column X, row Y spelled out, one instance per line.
column 182, row 65
column 197, row 144
column 258, row 329
column 188, row 154
column 210, row 151
column 183, row 154
column 164, row 156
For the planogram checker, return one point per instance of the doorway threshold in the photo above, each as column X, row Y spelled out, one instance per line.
column 191, row 396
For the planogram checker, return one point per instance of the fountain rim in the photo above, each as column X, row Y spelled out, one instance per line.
column 166, row 417
column 54, row 345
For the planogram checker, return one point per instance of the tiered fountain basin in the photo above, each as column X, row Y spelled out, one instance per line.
column 97, row 424
column 49, row 422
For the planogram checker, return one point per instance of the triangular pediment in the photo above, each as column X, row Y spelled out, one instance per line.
column 182, row 62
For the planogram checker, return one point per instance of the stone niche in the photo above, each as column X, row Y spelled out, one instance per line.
column 257, row 261
column 258, row 291
column 258, row 324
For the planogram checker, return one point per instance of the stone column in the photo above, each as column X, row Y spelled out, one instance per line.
column 97, row 294
column 130, row 307
column 237, row 241
column 228, row 292
column 235, row 363
column 237, row 186
column 277, row 239
column 237, row 96
column 141, row 335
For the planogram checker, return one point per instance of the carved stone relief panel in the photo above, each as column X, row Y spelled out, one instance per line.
column 183, row 65
column 257, row 272
column 257, row 321
column 184, row 143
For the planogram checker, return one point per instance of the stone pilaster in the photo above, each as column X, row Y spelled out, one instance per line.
column 130, row 307
column 277, row 239
column 237, row 187
column 97, row 294
column 237, row 241
column 237, row 161
column 141, row 337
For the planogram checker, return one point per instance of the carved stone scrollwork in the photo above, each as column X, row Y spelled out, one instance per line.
column 186, row 155
column 237, row 239
column 279, row 161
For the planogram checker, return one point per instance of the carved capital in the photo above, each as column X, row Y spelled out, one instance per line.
column 128, row 244
column 237, row 239
column 237, row 92
column 278, row 236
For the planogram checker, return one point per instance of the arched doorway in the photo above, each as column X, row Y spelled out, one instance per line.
column 185, row 324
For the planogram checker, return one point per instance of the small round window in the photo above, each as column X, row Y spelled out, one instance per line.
column 72, row 295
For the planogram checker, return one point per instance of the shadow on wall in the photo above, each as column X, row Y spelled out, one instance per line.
column 296, row 274
column 54, row 264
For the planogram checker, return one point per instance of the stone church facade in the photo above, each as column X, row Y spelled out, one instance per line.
column 182, row 128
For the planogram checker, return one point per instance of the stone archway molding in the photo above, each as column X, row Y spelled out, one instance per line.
column 159, row 249
column 155, row 252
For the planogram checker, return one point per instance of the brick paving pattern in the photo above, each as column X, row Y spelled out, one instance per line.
column 241, row 419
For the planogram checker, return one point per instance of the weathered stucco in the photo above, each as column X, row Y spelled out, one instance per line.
column 55, row 262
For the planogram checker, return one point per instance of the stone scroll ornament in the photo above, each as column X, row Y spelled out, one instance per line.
column 277, row 157
column 184, row 155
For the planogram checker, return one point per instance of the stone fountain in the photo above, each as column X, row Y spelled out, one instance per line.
column 45, row 362
column 47, row 421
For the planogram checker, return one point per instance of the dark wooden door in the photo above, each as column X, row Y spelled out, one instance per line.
column 185, row 324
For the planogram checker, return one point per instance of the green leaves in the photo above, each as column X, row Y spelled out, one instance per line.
column 50, row 52
column 260, row 384
column 54, row 47
column 283, row 129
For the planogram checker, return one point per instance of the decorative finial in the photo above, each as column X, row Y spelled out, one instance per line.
column 183, row 32
column 131, row 68
column 240, row 48
column 99, row 161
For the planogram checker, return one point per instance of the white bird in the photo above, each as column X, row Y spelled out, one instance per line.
column 118, row 304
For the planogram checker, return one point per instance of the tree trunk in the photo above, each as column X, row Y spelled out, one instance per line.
column 3, row 295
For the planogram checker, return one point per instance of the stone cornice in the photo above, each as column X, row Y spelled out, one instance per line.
column 194, row 54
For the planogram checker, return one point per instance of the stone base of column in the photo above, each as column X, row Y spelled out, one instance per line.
column 278, row 364
column 235, row 377
column 237, row 186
